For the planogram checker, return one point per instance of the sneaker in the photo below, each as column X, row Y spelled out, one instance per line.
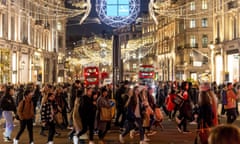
column 7, row 139
column 186, row 132
column 57, row 134
column 151, row 132
column 15, row 141
column 179, row 129
column 146, row 139
column 193, row 123
column 131, row 134
column 32, row 143
column 143, row 142
column 121, row 139
column 91, row 142
column 75, row 140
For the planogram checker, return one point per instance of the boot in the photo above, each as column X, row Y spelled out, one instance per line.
column 75, row 140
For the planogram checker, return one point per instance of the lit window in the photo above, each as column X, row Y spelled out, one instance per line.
column 192, row 6
column 192, row 41
column 59, row 26
column 117, row 8
column 204, row 22
column 204, row 4
column 192, row 23
column 134, row 66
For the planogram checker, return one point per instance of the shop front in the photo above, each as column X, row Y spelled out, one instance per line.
column 233, row 65
column 5, row 58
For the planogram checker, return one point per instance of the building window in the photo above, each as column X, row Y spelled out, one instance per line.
column 192, row 6
column 117, row 8
column 192, row 41
column 204, row 4
column 204, row 41
column 134, row 66
column 192, row 23
column 204, row 22
column 59, row 26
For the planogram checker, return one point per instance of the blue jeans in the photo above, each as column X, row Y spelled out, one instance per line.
column 9, row 123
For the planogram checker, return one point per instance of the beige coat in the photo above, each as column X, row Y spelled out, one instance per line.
column 77, row 123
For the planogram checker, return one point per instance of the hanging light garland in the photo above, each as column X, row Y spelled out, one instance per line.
column 49, row 11
column 165, row 9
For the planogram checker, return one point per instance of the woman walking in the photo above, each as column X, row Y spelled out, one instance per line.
column 135, row 115
column 47, row 116
column 103, row 126
column 8, row 106
column 25, row 112
column 185, row 111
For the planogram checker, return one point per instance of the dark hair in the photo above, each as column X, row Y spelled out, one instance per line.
column 224, row 134
column 8, row 88
column 49, row 94
column 26, row 92
column 183, row 86
column 104, row 89
column 229, row 83
column 77, row 81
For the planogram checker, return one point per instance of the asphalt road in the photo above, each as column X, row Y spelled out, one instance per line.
column 167, row 135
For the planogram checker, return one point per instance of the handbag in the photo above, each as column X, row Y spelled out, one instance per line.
column 59, row 118
column 105, row 114
column 158, row 114
column 178, row 100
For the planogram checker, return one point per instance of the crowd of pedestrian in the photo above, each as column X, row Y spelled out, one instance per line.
column 134, row 109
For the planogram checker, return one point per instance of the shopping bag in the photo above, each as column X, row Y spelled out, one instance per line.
column 105, row 114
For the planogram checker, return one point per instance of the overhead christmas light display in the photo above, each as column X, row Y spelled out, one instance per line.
column 116, row 13
column 181, row 10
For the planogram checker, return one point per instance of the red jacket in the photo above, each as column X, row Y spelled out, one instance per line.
column 169, row 102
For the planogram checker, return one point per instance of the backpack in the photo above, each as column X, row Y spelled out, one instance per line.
column 224, row 97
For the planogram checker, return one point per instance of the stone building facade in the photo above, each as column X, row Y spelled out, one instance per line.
column 32, row 41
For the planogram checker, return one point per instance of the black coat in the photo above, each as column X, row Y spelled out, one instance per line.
column 7, row 103
column 87, row 109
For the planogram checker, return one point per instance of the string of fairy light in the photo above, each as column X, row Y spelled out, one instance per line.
column 93, row 56
column 46, row 10
column 183, row 11
column 50, row 11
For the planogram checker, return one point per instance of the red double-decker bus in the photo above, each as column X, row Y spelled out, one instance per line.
column 91, row 75
column 146, row 74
